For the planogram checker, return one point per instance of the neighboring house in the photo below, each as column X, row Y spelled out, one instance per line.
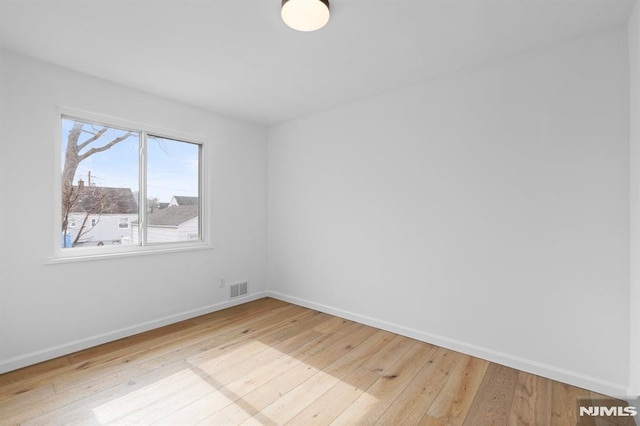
column 179, row 200
column 174, row 223
column 107, row 214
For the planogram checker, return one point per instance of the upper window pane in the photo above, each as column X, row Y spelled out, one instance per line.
column 99, row 183
column 173, row 187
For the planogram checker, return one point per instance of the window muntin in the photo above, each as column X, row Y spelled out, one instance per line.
column 114, row 179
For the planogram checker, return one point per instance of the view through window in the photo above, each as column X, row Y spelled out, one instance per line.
column 126, row 187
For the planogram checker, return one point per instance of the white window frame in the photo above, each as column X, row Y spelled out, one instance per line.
column 61, row 255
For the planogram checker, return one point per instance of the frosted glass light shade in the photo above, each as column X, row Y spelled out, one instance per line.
column 305, row 15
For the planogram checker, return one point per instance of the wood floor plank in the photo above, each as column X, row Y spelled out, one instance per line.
column 127, row 344
column 531, row 401
column 226, row 355
column 51, row 412
column 411, row 406
column 338, row 398
column 23, row 374
column 564, row 403
column 12, row 411
column 492, row 403
column 377, row 398
column 272, row 363
column 453, row 401
column 154, row 401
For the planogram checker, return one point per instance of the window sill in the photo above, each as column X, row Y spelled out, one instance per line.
column 140, row 251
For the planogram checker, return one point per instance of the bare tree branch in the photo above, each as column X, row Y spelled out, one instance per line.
column 161, row 143
column 80, row 232
column 94, row 138
column 94, row 202
column 105, row 147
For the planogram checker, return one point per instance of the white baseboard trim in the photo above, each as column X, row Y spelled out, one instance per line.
column 523, row 364
column 519, row 363
column 70, row 347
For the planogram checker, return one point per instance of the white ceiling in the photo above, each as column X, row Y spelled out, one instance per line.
column 236, row 57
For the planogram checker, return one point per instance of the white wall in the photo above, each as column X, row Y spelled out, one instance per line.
column 50, row 309
column 634, row 155
column 485, row 211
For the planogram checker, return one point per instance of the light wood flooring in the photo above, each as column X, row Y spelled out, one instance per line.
column 272, row 363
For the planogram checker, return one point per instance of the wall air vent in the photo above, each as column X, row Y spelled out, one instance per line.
column 239, row 289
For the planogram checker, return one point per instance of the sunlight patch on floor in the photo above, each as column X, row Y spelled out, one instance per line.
column 197, row 392
column 155, row 400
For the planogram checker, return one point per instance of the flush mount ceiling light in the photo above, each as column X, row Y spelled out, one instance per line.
column 305, row 15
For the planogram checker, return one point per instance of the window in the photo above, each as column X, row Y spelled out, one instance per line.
column 128, row 188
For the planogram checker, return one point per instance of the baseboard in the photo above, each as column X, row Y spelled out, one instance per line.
column 70, row 347
column 519, row 363
column 527, row 365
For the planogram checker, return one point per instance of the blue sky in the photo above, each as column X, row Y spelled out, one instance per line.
column 172, row 167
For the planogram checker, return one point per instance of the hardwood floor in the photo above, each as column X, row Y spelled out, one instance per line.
column 272, row 363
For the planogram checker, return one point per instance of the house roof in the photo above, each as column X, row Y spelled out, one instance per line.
column 104, row 200
column 172, row 216
column 186, row 201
